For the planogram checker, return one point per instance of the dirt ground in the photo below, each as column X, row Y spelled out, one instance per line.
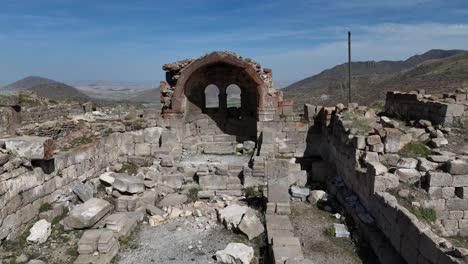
column 310, row 225
column 177, row 244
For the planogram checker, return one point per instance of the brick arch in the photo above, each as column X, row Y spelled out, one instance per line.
column 179, row 99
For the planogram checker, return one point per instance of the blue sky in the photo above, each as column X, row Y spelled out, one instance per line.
column 130, row 40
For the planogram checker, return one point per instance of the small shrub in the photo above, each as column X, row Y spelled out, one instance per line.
column 362, row 124
column 414, row 149
column 459, row 241
column 378, row 105
column 193, row 194
column 124, row 239
column 330, row 231
column 45, row 207
column 108, row 131
column 462, row 125
column 129, row 168
column 427, row 214
column 253, row 192
column 72, row 252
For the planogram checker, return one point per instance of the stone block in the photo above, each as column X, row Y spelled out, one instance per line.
column 122, row 224
column 84, row 191
column 152, row 135
column 142, row 149
column 392, row 140
column 283, row 208
column 373, row 140
column 126, row 203
column 457, row 167
column 408, row 175
column 128, row 184
column 88, row 213
column 31, row 147
column 438, row 179
column 457, row 204
column 460, row 180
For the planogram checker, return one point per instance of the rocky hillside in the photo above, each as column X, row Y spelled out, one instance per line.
column 59, row 91
column 372, row 79
column 27, row 83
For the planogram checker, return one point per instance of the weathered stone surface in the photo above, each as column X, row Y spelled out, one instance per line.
column 376, row 168
column 438, row 142
column 235, row 253
column 153, row 210
column 300, row 192
column 88, row 213
column 457, row 167
column 438, row 179
column 121, row 223
column 408, row 175
column 460, row 180
column 39, row 232
column 251, row 225
column 407, row 163
column 341, row 230
column 392, row 140
column 128, row 184
column 107, row 177
column 84, row 191
column 426, row 165
column 316, row 195
column 231, row 215
column 173, row 199
column 31, row 147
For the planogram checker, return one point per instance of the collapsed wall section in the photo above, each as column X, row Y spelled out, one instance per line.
column 418, row 105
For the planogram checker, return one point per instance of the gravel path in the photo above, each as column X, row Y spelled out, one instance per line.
column 176, row 244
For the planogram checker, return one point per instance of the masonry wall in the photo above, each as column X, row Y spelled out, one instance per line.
column 350, row 156
column 415, row 106
column 50, row 112
column 23, row 190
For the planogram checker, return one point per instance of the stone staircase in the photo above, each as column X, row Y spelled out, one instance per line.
column 283, row 244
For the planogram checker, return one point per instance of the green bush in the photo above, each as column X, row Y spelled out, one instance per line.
column 362, row 124
column 129, row 168
column 124, row 240
column 330, row 231
column 253, row 192
column 414, row 149
column 192, row 195
column 45, row 207
column 427, row 214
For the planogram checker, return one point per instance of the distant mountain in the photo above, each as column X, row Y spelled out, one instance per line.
column 330, row 86
column 59, row 91
column 147, row 96
column 27, row 83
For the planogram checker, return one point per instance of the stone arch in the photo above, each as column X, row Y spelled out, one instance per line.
column 179, row 99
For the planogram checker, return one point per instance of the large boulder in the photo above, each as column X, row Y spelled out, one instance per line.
column 173, row 199
column 39, row 232
column 235, row 253
column 231, row 215
column 31, row 147
column 251, row 226
column 88, row 213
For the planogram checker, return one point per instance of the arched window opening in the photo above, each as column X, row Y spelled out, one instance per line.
column 233, row 96
column 211, row 96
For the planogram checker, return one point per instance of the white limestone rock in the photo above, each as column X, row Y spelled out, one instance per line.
column 39, row 232
column 316, row 195
column 88, row 213
column 251, row 225
column 231, row 215
column 341, row 230
column 235, row 253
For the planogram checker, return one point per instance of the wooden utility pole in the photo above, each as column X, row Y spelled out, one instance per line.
column 349, row 66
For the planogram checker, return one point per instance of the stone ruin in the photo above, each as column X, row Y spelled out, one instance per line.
column 394, row 173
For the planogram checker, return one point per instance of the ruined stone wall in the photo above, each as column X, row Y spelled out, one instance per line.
column 10, row 117
column 417, row 105
column 50, row 112
column 356, row 160
column 24, row 189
